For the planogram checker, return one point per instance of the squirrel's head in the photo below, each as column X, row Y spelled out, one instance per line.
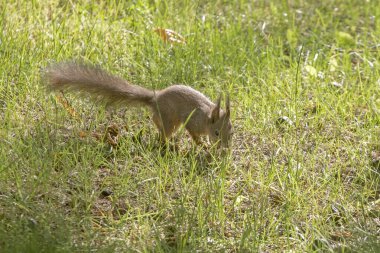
column 220, row 127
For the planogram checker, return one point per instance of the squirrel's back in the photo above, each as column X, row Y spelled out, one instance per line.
column 182, row 100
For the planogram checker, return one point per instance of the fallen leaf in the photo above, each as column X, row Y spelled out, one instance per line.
column 170, row 36
column 83, row 134
column 97, row 136
column 112, row 134
column 341, row 235
column 112, row 141
column 65, row 103
column 113, row 130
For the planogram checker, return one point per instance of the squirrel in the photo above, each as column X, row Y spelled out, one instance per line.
column 171, row 107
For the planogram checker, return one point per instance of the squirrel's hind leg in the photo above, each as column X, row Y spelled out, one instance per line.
column 166, row 128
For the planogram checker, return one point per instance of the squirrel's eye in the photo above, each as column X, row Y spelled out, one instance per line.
column 216, row 132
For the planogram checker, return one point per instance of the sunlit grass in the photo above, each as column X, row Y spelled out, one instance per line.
column 302, row 173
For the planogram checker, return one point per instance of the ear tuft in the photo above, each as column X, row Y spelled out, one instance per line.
column 215, row 110
column 228, row 105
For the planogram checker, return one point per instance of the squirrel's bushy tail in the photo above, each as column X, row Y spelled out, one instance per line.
column 99, row 83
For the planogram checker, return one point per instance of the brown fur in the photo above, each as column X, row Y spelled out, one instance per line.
column 171, row 107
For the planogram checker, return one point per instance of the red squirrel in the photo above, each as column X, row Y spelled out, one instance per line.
column 171, row 107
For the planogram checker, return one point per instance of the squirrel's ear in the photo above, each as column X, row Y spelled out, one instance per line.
column 215, row 110
column 228, row 105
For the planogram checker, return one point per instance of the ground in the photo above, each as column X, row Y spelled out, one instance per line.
column 302, row 174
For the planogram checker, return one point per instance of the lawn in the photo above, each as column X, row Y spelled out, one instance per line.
column 302, row 174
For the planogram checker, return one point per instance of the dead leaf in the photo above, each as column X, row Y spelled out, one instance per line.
column 97, row 136
column 112, row 134
column 83, row 134
column 170, row 36
column 65, row 103
column 341, row 235
column 112, row 141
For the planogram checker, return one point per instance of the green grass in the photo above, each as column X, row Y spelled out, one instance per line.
column 304, row 187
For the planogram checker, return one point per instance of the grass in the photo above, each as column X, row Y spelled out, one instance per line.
column 307, row 184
